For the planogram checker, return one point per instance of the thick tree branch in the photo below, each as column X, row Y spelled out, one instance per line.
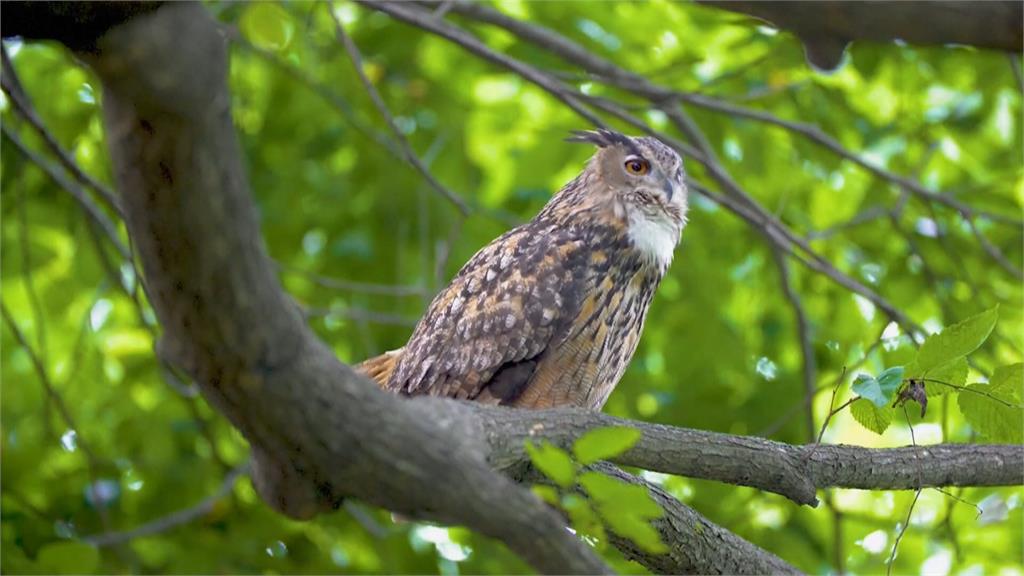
column 689, row 537
column 793, row 471
column 826, row 28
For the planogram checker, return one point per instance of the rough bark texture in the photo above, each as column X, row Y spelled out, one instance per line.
column 319, row 432
column 825, row 28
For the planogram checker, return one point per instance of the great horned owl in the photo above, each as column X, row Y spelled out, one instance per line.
column 550, row 313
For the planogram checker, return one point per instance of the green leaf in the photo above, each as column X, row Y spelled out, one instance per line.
column 890, row 380
column 68, row 558
column 554, row 462
column 994, row 409
column 603, row 443
column 266, row 25
column 626, row 509
column 583, row 517
column 867, row 387
column 546, row 493
column 957, row 341
column 871, row 416
column 1009, row 379
column 943, row 379
column 879, row 390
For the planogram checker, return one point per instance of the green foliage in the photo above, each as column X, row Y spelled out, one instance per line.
column 871, row 416
column 553, row 462
column 994, row 409
column 879, row 390
column 266, row 25
column 626, row 509
column 939, row 368
column 603, row 443
column 720, row 349
column 955, row 342
column 67, row 558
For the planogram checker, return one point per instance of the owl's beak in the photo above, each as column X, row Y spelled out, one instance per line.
column 669, row 186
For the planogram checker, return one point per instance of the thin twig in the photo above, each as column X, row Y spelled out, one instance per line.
column 11, row 86
column 774, row 427
column 351, row 285
column 423, row 19
column 899, row 536
column 173, row 520
column 361, row 314
column 803, row 329
column 971, row 390
column 831, row 403
column 91, row 210
column 994, row 252
column 378, row 102
column 92, row 461
column 1017, row 75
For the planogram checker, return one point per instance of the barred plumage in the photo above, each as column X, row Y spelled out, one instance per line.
column 550, row 313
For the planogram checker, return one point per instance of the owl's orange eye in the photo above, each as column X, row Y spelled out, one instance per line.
column 637, row 166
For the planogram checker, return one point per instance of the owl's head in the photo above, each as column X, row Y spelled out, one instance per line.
column 644, row 182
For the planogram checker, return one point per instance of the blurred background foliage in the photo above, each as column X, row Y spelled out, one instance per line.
column 363, row 242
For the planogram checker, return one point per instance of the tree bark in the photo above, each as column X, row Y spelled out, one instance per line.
column 825, row 28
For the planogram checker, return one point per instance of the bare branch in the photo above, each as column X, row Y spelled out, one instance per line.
column 789, row 470
column 352, row 285
column 83, row 200
column 994, row 252
column 172, row 520
column 12, row 88
column 989, row 25
column 378, row 102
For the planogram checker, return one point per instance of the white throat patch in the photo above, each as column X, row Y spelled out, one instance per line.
column 654, row 237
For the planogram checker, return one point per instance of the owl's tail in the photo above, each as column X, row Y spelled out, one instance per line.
column 379, row 368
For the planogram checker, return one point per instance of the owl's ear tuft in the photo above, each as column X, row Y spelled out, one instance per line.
column 601, row 137
column 604, row 138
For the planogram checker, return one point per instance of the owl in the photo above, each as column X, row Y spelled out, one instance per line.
column 551, row 312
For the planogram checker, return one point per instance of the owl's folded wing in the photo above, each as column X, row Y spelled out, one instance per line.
column 484, row 334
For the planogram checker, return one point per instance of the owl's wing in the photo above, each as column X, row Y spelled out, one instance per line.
column 483, row 335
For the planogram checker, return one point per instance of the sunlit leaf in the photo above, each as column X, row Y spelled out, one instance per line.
column 553, row 462
column 956, row 341
column 879, row 390
column 871, row 416
column 603, row 443
column 994, row 409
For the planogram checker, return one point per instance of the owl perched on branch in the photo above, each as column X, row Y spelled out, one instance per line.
column 550, row 313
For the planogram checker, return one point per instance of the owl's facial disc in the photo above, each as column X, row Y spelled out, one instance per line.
column 652, row 179
column 654, row 196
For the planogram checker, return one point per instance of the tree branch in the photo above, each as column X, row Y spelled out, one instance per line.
column 826, row 27
column 793, row 471
column 410, row 156
column 172, row 520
